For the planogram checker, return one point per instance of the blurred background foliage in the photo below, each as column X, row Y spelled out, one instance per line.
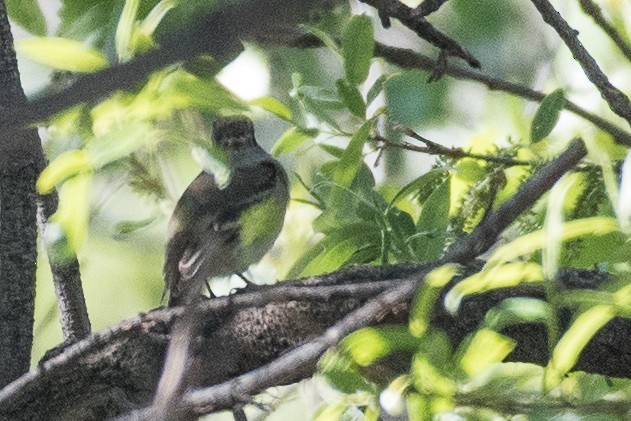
column 334, row 117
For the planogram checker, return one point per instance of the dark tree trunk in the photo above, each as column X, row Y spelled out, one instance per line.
column 21, row 159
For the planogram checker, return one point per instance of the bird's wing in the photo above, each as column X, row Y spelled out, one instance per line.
column 205, row 225
column 192, row 217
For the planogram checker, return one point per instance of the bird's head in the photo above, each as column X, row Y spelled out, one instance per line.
column 233, row 133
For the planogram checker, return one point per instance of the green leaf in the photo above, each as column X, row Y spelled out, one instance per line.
column 143, row 34
column 62, row 54
column 331, row 412
column 204, row 94
column 421, row 186
column 350, row 162
column 434, row 220
column 431, row 366
column 377, row 88
column 346, row 381
column 324, row 37
column 367, row 345
column 412, row 102
column 320, row 102
column 534, row 241
column 292, row 139
column 89, row 19
column 342, row 373
column 502, row 382
column 553, row 225
column 273, row 106
column 351, row 97
column 358, row 45
column 125, row 228
column 63, row 167
column 547, row 115
column 28, row 15
column 331, row 252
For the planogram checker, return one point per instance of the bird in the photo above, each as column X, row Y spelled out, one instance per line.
column 221, row 228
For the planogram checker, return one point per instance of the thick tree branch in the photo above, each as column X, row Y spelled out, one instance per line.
column 617, row 100
column 114, row 371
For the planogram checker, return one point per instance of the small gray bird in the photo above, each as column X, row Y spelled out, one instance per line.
column 220, row 230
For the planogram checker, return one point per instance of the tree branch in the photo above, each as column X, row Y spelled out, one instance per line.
column 117, row 370
column 408, row 59
column 486, row 234
column 73, row 313
column 617, row 100
column 592, row 9
column 415, row 20
column 434, row 148
column 219, row 34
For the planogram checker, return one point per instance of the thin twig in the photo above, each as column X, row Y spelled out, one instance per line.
column 434, row 148
column 409, row 59
column 592, row 9
column 456, row 153
column 617, row 100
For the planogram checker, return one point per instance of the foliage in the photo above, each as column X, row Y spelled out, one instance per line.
column 343, row 121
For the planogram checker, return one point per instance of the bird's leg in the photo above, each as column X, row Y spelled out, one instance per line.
column 249, row 285
column 210, row 291
column 246, row 280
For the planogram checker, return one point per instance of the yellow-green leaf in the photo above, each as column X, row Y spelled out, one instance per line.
column 64, row 166
column 502, row 276
column 124, row 30
column 62, row 54
column 274, row 106
column 569, row 347
column 292, row 139
column 486, row 347
column 74, row 210
column 534, row 241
